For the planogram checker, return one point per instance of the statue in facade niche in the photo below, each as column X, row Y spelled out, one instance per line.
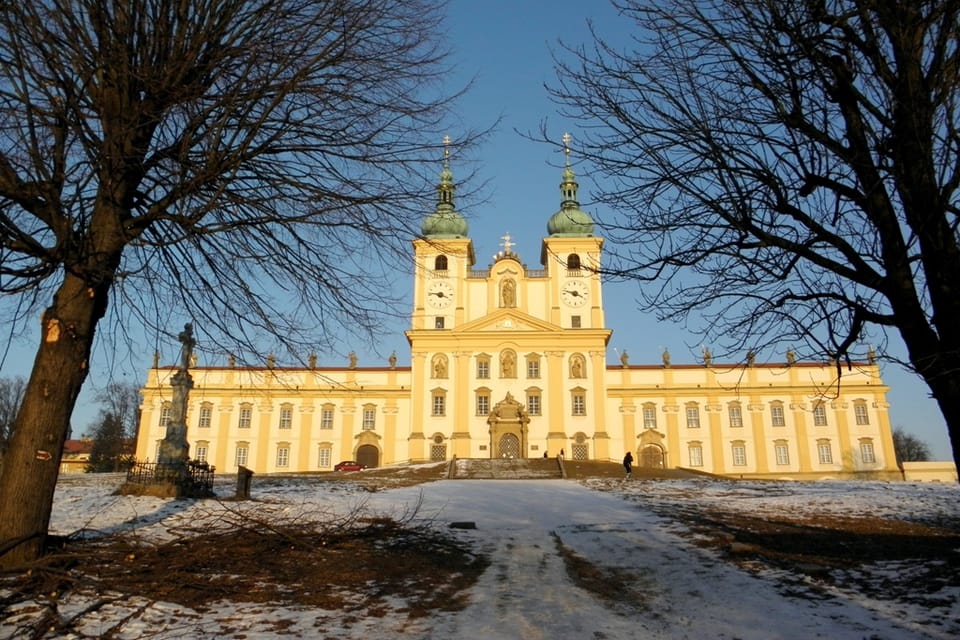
column 508, row 293
column 508, row 365
column 439, row 366
column 576, row 367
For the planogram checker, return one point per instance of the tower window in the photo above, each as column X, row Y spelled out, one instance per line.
column 438, row 322
column 440, row 264
column 573, row 261
column 575, row 322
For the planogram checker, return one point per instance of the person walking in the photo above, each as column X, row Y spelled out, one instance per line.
column 628, row 463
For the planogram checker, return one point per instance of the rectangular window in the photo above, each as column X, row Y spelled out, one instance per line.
column 324, row 459
column 736, row 416
column 241, row 457
column 579, row 404
column 696, row 456
column 533, row 404
column 533, row 368
column 693, row 417
column 246, row 415
column 819, row 415
column 438, row 322
column 283, row 456
column 165, row 412
column 783, row 453
column 860, row 413
column 739, row 455
column 825, row 453
column 206, row 416
column 286, row 418
column 776, row 416
column 649, row 417
column 866, row 452
column 369, row 418
column 326, row 418
column 575, row 322
column 483, row 369
column 483, row 404
column 439, row 406
column 201, row 453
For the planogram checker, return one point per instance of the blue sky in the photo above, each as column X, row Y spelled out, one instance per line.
column 504, row 46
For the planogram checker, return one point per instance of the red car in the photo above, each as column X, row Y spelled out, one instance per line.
column 349, row 465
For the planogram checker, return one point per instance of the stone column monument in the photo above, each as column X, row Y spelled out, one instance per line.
column 174, row 449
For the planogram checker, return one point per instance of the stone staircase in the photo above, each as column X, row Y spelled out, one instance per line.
column 506, row 469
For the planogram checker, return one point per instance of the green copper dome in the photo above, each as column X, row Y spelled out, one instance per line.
column 445, row 222
column 571, row 220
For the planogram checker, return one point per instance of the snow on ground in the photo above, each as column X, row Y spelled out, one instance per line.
column 677, row 590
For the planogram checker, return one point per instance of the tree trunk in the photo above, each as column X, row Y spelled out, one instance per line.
column 944, row 383
column 28, row 476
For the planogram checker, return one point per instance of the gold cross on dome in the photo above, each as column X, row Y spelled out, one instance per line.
column 506, row 242
column 566, row 143
column 446, row 146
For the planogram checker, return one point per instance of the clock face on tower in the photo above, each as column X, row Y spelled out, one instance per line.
column 439, row 294
column 574, row 293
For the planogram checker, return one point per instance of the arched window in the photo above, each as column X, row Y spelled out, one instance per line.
column 440, row 264
column 573, row 261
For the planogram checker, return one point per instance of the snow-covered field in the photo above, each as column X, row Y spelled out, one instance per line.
column 679, row 589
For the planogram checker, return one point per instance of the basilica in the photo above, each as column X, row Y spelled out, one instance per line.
column 511, row 362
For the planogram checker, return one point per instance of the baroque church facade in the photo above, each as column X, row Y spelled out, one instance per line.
column 511, row 362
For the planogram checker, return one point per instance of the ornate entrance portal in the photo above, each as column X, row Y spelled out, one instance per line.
column 508, row 429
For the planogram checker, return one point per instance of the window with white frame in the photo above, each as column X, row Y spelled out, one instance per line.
column 200, row 452
column 439, row 403
column 776, row 415
column 578, row 401
column 483, row 403
column 369, row 417
column 326, row 417
column 693, row 416
column 736, row 414
column 283, row 455
column 324, row 456
column 483, row 367
column 246, row 416
column 166, row 413
column 781, row 451
column 533, row 366
column 533, row 403
column 860, row 412
column 739, row 451
column 156, row 451
column 649, row 416
column 286, row 417
column 819, row 415
column 206, row 415
column 824, row 452
column 696, row 454
column 243, row 452
column 867, row 454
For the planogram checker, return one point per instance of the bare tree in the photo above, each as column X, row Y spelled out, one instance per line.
column 908, row 447
column 252, row 165
column 786, row 172
column 11, row 394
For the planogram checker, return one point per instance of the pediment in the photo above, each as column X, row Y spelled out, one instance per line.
column 507, row 320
